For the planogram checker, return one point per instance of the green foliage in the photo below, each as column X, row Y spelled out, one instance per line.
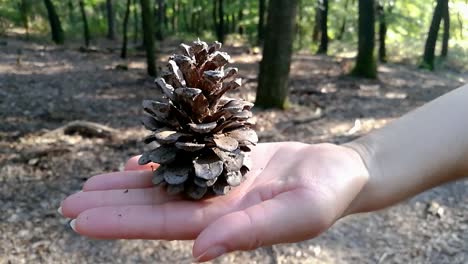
column 408, row 23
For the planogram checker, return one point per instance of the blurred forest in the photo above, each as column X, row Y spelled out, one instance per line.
column 73, row 74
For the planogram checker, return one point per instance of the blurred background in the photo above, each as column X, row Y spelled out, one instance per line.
column 73, row 74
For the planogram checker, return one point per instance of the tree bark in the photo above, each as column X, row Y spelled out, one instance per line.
column 54, row 21
column 261, row 22
column 446, row 36
column 366, row 65
column 316, row 32
column 183, row 8
column 272, row 89
column 85, row 24
column 174, row 16
column 135, row 22
column 429, row 48
column 165, row 18
column 460, row 24
column 71, row 14
column 160, row 21
column 343, row 24
column 323, row 48
column 110, row 19
column 123, row 53
column 382, row 33
column 220, row 30
column 148, row 36
column 240, row 18
column 24, row 8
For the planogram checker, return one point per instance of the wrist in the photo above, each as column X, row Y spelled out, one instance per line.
column 363, row 150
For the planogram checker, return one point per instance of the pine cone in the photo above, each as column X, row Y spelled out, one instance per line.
column 205, row 137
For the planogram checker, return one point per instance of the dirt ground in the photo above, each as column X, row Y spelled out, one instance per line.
column 43, row 88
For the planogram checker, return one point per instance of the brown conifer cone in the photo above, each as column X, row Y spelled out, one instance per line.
column 204, row 137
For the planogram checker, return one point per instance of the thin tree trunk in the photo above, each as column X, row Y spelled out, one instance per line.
column 123, row 53
column 273, row 79
column 215, row 15
column 193, row 18
column 299, row 27
column 460, row 23
column 185, row 16
column 174, row 16
column 365, row 62
column 323, row 48
column 316, row 32
column 261, row 22
column 135, row 22
column 160, row 21
column 166, row 18
column 446, row 36
column 429, row 48
column 110, row 19
column 54, row 21
column 343, row 24
column 85, row 24
column 24, row 8
column 382, row 33
column 221, row 30
column 148, row 36
column 71, row 14
column 240, row 19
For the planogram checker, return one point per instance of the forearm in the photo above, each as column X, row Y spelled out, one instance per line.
column 423, row 149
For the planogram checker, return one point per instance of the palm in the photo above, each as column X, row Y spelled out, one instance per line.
column 293, row 192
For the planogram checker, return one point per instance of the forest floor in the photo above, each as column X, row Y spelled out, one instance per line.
column 43, row 88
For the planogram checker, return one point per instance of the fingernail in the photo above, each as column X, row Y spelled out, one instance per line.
column 211, row 253
column 73, row 224
column 59, row 210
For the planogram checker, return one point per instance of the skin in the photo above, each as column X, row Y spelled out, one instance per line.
column 294, row 192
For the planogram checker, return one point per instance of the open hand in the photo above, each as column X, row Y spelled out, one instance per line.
column 294, row 192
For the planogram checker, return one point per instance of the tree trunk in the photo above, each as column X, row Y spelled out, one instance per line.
column 429, row 48
column 232, row 27
column 165, row 18
column 174, row 16
column 123, row 53
column 323, row 48
column 382, row 33
column 185, row 16
column 446, row 36
column 220, row 30
column 272, row 88
column 261, row 22
column 460, row 24
column 148, row 36
column 240, row 18
column 71, row 14
column 160, row 21
column 193, row 18
column 135, row 22
column 24, row 8
column 85, row 24
column 343, row 24
column 54, row 21
column 110, row 19
column 366, row 65
column 215, row 16
column 316, row 32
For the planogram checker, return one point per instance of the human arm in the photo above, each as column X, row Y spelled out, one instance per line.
column 424, row 148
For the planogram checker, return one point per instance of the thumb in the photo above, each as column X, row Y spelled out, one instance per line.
column 132, row 164
column 267, row 223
